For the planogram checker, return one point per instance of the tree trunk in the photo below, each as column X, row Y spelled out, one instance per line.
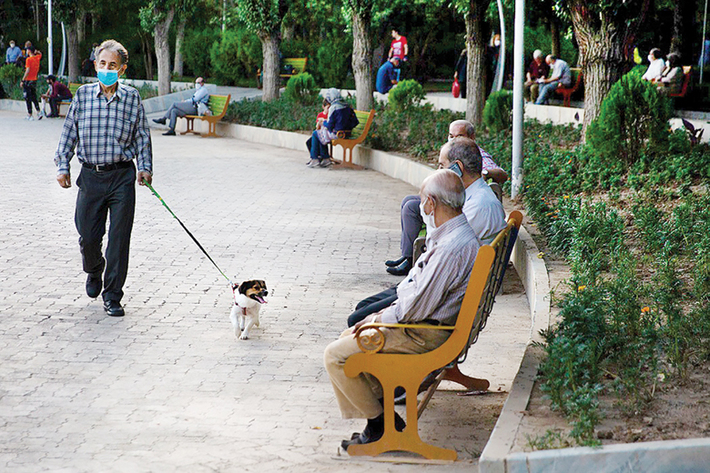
column 147, row 57
column 605, row 51
column 683, row 31
column 81, row 27
column 179, row 36
column 162, row 51
column 362, row 60
column 555, row 47
column 73, row 58
column 37, row 17
column 270, row 69
column 476, row 63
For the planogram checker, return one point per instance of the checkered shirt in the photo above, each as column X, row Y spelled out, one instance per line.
column 487, row 161
column 105, row 131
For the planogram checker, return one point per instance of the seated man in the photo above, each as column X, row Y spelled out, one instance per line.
column 56, row 93
column 409, row 213
column 656, row 65
column 538, row 69
column 186, row 107
column 387, row 76
column 561, row 77
column 432, row 294
column 483, row 211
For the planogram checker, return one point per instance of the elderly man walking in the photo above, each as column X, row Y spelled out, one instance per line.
column 186, row 107
column 431, row 294
column 106, row 125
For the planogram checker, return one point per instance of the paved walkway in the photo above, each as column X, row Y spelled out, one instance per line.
column 168, row 387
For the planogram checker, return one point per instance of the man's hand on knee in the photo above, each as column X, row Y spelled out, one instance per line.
column 64, row 180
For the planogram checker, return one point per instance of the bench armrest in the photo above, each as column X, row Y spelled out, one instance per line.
column 373, row 343
column 341, row 134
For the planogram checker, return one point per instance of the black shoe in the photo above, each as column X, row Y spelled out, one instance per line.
column 159, row 120
column 169, row 133
column 373, row 431
column 391, row 263
column 93, row 285
column 113, row 308
column 402, row 269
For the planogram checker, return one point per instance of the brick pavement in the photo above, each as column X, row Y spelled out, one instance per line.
column 168, row 387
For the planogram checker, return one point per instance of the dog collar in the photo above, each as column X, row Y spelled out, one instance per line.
column 244, row 309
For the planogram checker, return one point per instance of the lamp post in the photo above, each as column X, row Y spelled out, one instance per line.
column 49, row 36
column 518, row 105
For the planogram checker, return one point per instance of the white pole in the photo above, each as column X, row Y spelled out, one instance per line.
column 63, row 60
column 224, row 15
column 501, row 56
column 518, row 105
column 49, row 36
column 702, row 51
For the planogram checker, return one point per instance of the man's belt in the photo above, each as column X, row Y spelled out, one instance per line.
column 108, row 167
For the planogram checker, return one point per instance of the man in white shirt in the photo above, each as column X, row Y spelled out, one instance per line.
column 186, row 107
column 561, row 77
column 655, row 66
column 431, row 294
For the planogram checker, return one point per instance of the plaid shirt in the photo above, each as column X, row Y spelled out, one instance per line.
column 487, row 161
column 105, row 131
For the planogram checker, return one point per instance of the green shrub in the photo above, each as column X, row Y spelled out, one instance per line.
column 405, row 95
column 331, row 63
column 497, row 114
column 237, row 55
column 10, row 76
column 633, row 121
column 301, row 88
column 278, row 114
column 196, row 50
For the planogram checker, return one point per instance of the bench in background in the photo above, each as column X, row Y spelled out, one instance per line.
column 218, row 105
column 73, row 87
column 356, row 136
column 295, row 65
column 566, row 92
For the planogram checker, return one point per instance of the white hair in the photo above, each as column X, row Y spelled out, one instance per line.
column 537, row 54
column 445, row 187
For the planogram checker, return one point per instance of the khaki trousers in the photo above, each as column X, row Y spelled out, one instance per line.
column 358, row 398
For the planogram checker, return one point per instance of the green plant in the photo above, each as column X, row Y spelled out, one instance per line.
column 497, row 114
column 237, row 55
column 331, row 62
column 196, row 50
column 10, row 76
column 551, row 440
column 279, row 114
column 405, row 95
column 633, row 120
column 301, row 88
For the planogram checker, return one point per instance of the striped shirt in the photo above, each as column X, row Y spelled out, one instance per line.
column 487, row 161
column 105, row 131
column 434, row 288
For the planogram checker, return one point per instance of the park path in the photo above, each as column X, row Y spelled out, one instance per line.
column 167, row 387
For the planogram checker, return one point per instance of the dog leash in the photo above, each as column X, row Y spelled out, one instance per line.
column 185, row 228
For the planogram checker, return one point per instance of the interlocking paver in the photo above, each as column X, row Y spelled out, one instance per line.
column 168, row 387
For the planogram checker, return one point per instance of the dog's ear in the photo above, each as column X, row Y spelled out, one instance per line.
column 262, row 283
column 244, row 286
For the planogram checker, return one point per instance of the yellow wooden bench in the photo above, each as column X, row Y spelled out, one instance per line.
column 73, row 87
column 355, row 137
column 408, row 371
column 218, row 105
column 297, row 65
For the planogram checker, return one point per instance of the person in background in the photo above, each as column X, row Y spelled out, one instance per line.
column 655, row 66
column 398, row 49
column 57, row 92
column 561, row 77
column 460, row 72
column 341, row 117
column 186, row 107
column 538, row 69
column 13, row 53
column 387, row 75
column 29, row 81
column 671, row 81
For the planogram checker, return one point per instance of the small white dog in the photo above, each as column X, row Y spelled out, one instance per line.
column 248, row 298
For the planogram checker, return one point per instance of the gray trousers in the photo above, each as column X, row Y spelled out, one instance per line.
column 179, row 109
column 412, row 223
column 111, row 193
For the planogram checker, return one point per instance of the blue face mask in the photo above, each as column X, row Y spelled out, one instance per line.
column 107, row 77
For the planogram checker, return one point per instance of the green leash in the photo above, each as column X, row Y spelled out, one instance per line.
column 185, row 228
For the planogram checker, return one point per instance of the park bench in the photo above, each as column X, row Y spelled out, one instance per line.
column 218, row 105
column 356, row 136
column 73, row 87
column 686, row 82
column 566, row 92
column 408, row 371
column 290, row 65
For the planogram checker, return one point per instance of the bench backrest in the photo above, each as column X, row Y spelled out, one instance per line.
column 218, row 104
column 577, row 76
column 503, row 246
column 298, row 64
column 73, row 87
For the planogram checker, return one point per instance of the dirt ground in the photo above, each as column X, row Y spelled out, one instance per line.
column 678, row 409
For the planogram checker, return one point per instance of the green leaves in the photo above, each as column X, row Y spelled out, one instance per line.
column 262, row 17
